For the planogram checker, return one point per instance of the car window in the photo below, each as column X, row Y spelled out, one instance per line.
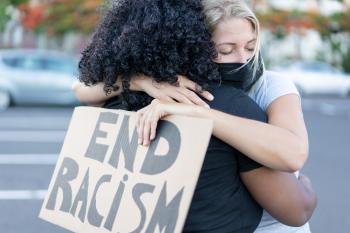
column 62, row 65
column 68, row 66
column 10, row 62
column 26, row 63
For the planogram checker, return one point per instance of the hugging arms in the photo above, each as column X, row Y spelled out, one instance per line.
column 177, row 43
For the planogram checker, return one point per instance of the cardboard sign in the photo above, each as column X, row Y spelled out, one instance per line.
column 105, row 182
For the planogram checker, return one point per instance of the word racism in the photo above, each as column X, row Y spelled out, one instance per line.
column 164, row 211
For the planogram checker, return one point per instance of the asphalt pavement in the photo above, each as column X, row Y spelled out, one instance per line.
column 31, row 138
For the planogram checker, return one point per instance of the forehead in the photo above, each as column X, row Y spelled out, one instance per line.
column 234, row 30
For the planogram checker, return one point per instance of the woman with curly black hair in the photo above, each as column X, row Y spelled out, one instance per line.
column 167, row 38
column 161, row 39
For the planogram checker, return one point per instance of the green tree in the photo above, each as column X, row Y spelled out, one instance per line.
column 4, row 4
column 64, row 16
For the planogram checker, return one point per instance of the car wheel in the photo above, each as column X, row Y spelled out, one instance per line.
column 5, row 100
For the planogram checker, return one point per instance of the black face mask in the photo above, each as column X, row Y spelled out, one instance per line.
column 240, row 75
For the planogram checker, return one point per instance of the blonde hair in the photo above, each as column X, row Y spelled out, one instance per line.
column 217, row 11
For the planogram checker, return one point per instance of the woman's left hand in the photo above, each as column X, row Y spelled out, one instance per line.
column 148, row 117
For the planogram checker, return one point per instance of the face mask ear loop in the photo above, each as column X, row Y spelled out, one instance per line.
column 259, row 72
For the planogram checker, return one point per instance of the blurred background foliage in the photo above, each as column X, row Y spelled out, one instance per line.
column 57, row 18
column 281, row 23
column 5, row 5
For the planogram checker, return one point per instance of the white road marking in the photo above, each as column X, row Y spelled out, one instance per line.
column 15, row 119
column 22, row 194
column 34, row 122
column 28, row 159
column 32, row 136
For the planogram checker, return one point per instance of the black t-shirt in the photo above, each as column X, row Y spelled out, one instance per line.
column 221, row 203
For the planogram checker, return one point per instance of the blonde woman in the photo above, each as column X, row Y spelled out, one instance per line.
column 280, row 144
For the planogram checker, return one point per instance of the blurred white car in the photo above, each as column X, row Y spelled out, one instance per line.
column 29, row 76
column 316, row 78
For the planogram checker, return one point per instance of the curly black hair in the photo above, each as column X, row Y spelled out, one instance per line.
column 157, row 38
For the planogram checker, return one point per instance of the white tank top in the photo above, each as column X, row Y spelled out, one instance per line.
column 270, row 87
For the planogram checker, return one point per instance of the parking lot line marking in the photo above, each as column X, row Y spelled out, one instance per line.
column 28, row 159
column 22, row 194
column 35, row 122
column 32, row 135
column 16, row 119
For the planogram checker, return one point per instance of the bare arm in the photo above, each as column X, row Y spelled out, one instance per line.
column 271, row 145
column 285, row 113
column 291, row 201
column 288, row 199
column 95, row 95
column 282, row 144
column 92, row 95
column 186, row 92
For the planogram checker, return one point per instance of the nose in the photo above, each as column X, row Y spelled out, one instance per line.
column 242, row 56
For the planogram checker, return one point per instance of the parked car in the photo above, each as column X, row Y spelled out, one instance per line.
column 312, row 77
column 4, row 95
column 39, row 77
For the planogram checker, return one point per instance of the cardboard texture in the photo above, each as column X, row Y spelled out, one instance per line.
column 105, row 182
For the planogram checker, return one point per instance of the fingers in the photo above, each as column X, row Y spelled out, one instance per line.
column 146, row 130
column 150, row 127
column 187, row 92
column 185, row 82
column 141, row 129
column 140, row 124
column 180, row 96
column 153, row 124
column 166, row 98
column 147, row 123
column 207, row 95
column 193, row 97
